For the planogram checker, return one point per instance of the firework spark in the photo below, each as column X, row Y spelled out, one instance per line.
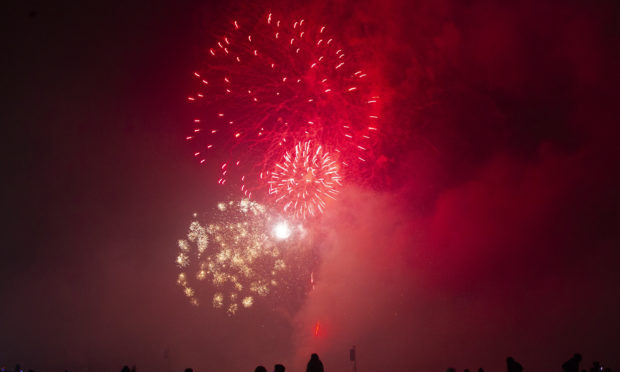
column 305, row 178
column 270, row 84
column 236, row 258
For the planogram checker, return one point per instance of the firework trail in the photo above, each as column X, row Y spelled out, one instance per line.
column 271, row 86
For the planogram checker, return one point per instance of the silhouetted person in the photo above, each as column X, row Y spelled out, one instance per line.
column 596, row 367
column 125, row 369
column 18, row 368
column 314, row 364
column 260, row 369
column 189, row 370
column 480, row 370
column 572, row 365
column 451, row 370
column 278, row 368
column 512, row 365
column 466, row 370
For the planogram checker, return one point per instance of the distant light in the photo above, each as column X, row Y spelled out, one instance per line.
column 282, row 231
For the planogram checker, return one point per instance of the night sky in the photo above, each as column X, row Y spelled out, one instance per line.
column 488, row 228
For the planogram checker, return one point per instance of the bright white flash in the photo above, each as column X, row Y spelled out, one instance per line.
column 282, row 231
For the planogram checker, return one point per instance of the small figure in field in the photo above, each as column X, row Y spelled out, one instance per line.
column 278, row 368
column 315, row 364
column 260, row 369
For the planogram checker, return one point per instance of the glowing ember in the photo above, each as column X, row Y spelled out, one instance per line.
column 282, row 231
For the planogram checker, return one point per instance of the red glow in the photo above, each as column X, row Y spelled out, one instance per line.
column 280, row 81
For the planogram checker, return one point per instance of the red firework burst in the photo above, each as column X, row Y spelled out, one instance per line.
column 304, row 180
column 270, row 84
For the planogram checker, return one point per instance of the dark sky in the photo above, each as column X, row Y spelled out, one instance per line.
column 489, row 228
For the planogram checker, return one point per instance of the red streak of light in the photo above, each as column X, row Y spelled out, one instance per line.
column 317, row 327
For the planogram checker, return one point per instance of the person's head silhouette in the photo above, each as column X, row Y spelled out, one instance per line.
column 577, row 357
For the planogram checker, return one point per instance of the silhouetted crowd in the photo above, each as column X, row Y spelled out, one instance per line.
column 315, row 365
column 571, row 365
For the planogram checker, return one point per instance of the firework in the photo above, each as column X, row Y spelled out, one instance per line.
column 270, row 85
column 304, row 179
column 233, row 261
